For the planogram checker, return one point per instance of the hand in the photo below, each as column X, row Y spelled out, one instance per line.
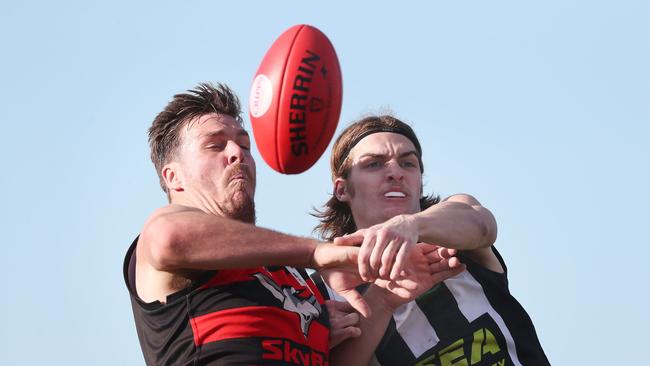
column 344, row 322
column 338, row 267
column 385, row 247
column 429, row 265
column 436, row 256
column 344, row 281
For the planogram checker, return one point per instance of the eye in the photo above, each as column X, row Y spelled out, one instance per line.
column 372, row 164
column 409, row 164
column 218, row 145
column 245, row 144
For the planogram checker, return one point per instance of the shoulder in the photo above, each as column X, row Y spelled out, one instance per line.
column 161, row 230
column 162, row 218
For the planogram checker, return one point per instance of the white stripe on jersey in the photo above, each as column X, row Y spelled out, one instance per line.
column 414, row 327
column 473, row 303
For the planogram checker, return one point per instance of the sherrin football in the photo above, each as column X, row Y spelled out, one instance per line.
column 295, row 99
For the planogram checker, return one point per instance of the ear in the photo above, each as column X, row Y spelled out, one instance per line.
column 173, row 177
column 341, row 191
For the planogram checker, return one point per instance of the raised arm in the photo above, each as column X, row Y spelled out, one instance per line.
column 178, row 243
column 458, row 222
column 178, row 238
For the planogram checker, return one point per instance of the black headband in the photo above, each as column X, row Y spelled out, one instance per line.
column 402, row 131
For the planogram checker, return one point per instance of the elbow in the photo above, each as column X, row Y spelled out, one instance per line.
column 162, row 241
column 488, row 228
column 482, row 218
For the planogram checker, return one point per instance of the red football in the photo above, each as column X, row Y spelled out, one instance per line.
column 295, row 100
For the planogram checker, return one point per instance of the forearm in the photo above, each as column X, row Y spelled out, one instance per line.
column 459, row 222
column 359, row 351
column 191, row 239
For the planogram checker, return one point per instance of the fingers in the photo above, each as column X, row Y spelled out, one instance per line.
column 388, row 258
column 440, row 266
column 383, row 252
column 428, row 248
column 400, row 260
column 443, row 275
column 444, row 264
column 436, row 252
column 343, row 322
column 381, row 244
column 364, row 258
column 351, row 239
column 357, row 302
column 366, row 255
column 446, row 252
column 334, row 306
column 454, row 262
column 341, row 314
column 378, row 254
column 346, row 320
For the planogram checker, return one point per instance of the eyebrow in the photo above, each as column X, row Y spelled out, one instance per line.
column 221, row 132
column 402, row 155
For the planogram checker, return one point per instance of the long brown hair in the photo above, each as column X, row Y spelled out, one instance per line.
column 336, row 217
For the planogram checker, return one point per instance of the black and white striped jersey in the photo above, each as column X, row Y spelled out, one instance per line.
column 470, row 319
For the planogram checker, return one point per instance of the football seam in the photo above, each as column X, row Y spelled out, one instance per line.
column 280, row 93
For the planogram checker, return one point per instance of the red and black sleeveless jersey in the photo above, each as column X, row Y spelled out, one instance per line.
column 256, row 316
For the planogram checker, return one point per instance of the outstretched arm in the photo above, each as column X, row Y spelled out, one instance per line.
column 178, row 238
column 458, row 222
column 177, row 243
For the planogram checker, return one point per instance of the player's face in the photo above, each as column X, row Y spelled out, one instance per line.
column 384, row 179
column 217, row 167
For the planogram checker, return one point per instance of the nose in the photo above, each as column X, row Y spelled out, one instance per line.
column 234, row 153
column 394, row 171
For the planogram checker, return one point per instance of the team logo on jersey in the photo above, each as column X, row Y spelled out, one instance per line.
column 485, row 346
column 307, row 308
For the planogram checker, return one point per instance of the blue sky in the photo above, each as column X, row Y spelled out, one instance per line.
column 539, row 109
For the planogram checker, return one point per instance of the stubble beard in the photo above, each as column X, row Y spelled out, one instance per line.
column 239, row 205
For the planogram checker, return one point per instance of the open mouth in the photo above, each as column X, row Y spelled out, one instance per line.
column 395, row 194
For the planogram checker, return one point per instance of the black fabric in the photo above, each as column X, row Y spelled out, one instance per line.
column 318, row 280
column 464, row 341
column 440, row 301
column 402, row 131
column 495, row 286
